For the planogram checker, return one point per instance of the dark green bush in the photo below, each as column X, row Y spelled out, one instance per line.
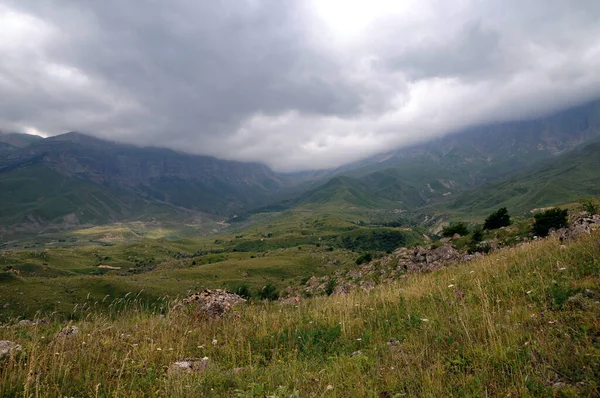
column 553, row 218
column 330, row 288
column 497, row 219
column 243, row 291
column 269, row 292
column 455, row 228
column 364, row 258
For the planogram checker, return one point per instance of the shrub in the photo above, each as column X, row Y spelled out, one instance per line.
column 545, row 221
column 269, row 292
column 243, row 291
column 455, row 228
column 330, row 288
column 364, row 258
column 497, row 219
column 477, row 235
column 590, row 206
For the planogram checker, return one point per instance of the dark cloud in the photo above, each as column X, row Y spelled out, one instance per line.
column 287, row 83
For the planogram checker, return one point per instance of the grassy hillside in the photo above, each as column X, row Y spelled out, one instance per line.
column 565, row 178
column 521, row 322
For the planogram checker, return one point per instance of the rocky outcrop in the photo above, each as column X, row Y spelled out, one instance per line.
column 69, row 331
column 582, row 224
column 210, row 303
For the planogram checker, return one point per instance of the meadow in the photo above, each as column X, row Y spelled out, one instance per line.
column 520, row 322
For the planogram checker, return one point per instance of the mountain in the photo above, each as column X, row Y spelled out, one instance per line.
column 77, row 179
column 550, row 182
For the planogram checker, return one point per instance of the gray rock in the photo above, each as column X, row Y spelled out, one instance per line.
column 8, row 348
column 355, row 353
column 69, row 331
column 26, row 323
column 190, row 365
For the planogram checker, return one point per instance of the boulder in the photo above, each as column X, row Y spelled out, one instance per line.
column 190, row 365
column 68, row 331
column 8, row 348
column 211, row 303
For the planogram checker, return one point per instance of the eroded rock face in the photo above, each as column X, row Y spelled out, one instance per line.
column 8, row 347
column 211, row 303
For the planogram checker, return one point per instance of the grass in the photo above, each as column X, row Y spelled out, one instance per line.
column 505, row 325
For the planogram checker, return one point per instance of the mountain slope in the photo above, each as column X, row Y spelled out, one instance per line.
column 549, row 182
column 100, row 181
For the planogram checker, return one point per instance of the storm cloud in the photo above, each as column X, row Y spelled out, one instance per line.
column 293, row 84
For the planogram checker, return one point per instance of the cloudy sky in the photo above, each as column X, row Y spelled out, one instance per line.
column 296, row 84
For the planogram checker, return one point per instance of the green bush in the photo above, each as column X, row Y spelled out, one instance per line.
column 243, row 291
column 591, row 207
column 364, row 258
column 553, row 218
column 497, row 219
column 455, row 228
column 330, row 288
column 269, row 292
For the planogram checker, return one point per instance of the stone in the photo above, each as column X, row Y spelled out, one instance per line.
column 190, row 365
column 355, row 353
column 69, row 331
column 393, row 341
column 8, row 348
column 26, row 323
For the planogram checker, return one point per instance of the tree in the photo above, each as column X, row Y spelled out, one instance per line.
column 553, row 218
column 243, row 291
column 497, row 219
column 455, row 228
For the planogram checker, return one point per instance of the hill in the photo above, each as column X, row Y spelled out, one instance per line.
column 520, row 322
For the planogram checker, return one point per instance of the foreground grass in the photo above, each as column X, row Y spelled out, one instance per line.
column 501, row 326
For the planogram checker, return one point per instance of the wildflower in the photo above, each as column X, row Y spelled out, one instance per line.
column 215, row 342
column 450, row 285
column 158, row 349
column 329, row 387
column 170, row 349
column 529, row 291
column 424, row 320
column 359, row 339
column 562, row 268
column 200, row 346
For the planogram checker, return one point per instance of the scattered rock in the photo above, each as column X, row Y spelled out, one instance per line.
column 125, row 336
column 69, row 331
column 26, row 323
column 190, row 365
column 393, row 341
column 355, row 353
column 211, row 303
column 456, row 236
column 8, row 348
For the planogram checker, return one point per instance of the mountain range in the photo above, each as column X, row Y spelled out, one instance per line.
column 78, row 180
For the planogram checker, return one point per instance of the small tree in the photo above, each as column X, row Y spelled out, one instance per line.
column 553, row 218
column 497, row 219
column 455, row 228
column 330, row 288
